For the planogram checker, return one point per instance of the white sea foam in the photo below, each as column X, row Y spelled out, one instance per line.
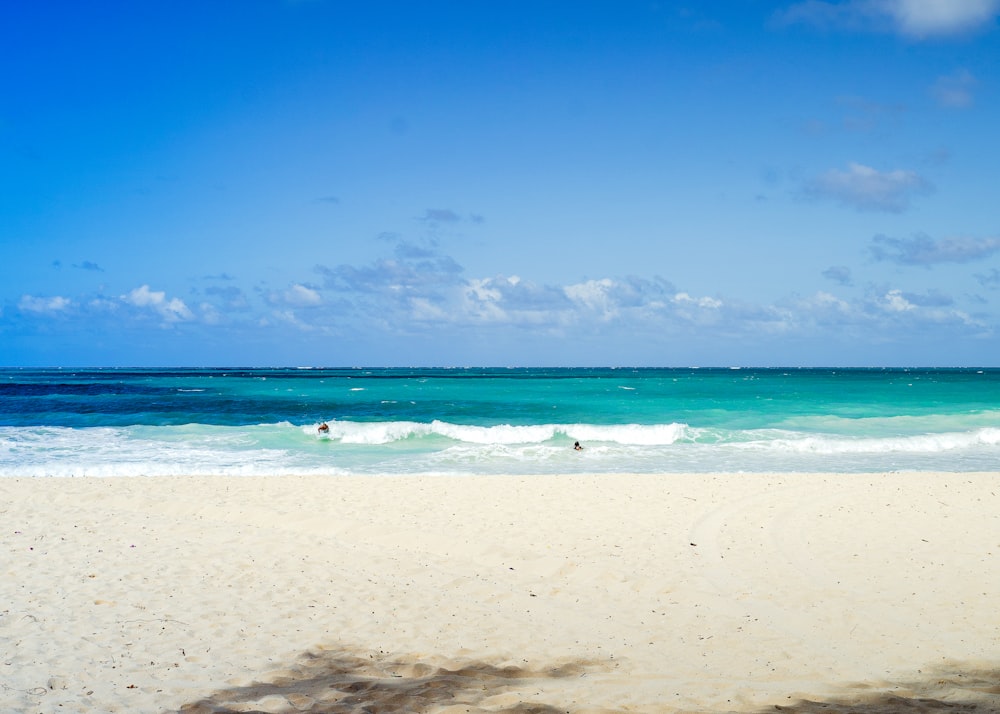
column 502, row 434
column 443, row 447
column 632, row 434
column 387, row 432
column 916, row 444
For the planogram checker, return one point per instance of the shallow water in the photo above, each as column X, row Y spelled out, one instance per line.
column 524, row 421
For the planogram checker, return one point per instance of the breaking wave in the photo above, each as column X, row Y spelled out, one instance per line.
column 403, row 447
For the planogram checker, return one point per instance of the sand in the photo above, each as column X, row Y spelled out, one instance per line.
column 612, row 593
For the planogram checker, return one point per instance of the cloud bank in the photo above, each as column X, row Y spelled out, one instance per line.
column 421, row 294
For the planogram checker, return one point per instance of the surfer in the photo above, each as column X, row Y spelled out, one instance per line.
column 324, row 428
column 577, row 447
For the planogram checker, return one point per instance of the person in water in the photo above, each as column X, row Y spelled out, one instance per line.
column 324, row 428
column 577, row 446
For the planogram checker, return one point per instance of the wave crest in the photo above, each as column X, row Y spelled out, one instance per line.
column 372, row 433
column 915, row 444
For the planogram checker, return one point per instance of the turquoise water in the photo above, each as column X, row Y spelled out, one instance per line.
column 472, row 421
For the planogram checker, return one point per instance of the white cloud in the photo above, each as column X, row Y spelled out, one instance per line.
column 640, row 312
column 173, row 310
column 826, row 300
column 895, row 302
column 867, row 189
column 484, row 290
column 594, row 295
column 884, row 316
column 916, row 19
column 927, row 18
column 507, row 300
column 302, row 296
column 481, row 301
column 705, row 302
column 56, row 304
column 102, row 304
column 929, row 309
column 296, row 296
column 606, row 309
column 609, row 310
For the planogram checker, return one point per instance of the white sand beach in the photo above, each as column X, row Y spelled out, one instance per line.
column 612, row 593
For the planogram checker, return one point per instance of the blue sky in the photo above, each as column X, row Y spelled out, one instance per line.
column 314, row 182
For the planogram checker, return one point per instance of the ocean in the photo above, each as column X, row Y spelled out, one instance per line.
column 144, row 422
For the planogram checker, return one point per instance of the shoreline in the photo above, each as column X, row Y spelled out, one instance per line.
column 616, row 592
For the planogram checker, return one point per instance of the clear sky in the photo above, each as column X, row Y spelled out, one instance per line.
column 500, row 182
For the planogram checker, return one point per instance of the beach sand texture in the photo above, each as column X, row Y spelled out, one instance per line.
column 613, row 593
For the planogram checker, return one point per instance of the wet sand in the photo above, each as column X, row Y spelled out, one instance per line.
column 623, row 593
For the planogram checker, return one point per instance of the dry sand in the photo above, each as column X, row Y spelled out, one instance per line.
column 618, row 593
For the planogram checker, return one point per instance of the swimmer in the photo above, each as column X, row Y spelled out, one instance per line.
column 577, row 447
column 324, row 428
